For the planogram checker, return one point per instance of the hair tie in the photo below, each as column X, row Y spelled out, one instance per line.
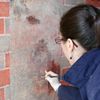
column 93, row 13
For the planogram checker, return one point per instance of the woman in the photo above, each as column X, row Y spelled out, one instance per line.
column 80, row 41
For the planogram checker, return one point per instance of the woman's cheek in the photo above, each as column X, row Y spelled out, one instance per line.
column 64, row 49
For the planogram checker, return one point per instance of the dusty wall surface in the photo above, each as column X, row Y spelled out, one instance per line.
column 34, row 27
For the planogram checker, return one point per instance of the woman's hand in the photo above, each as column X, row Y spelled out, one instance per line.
column 52, row 78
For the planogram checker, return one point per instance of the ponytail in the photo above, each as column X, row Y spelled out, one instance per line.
column 97, row 28
column 95, row 15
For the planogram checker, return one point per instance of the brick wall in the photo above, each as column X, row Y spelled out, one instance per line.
column 4, row 50
column 35, row 27
column 94, row 2
column 19, row 73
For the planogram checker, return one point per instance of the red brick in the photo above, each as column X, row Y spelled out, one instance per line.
column 1, row 26
column 2, row 94
column 94, row 2
column 4, row 77
column 7, row 58
column 4, row 9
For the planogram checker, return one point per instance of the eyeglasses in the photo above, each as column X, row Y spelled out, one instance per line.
column 58, row 40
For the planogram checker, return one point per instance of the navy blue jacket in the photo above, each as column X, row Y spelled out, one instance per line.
column 85, row 77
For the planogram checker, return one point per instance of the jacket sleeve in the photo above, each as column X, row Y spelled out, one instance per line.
column 93, row 85
column 68, row 93
column 97, row 96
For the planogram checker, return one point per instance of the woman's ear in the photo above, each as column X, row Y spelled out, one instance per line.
column 69, row 45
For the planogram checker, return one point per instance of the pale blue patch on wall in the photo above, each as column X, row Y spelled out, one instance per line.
column 2, row 60
column 5, row 42
column 73, row 2
column 7, row 25
column 7, row 93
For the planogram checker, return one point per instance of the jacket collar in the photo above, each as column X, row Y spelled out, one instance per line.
column 83, row 68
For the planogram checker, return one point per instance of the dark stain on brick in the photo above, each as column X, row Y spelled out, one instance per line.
column 32, row 20
column 40, row 47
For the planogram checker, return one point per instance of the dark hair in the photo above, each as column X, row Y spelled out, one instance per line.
column 82, row 23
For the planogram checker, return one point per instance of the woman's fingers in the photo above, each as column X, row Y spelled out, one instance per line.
column 50, row 74
column 52, row 78
column 46, row 72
